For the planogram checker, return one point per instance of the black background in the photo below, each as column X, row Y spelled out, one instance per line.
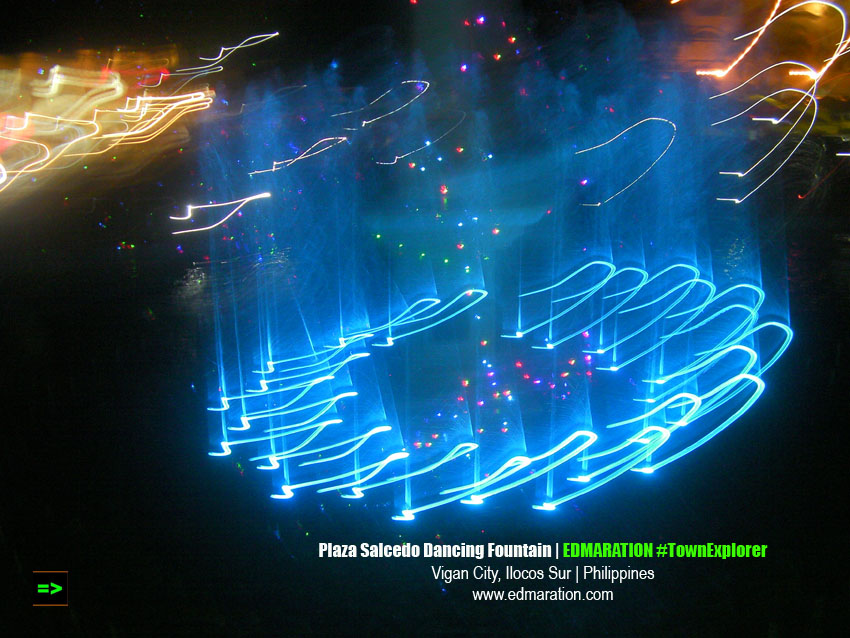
column 105, row 470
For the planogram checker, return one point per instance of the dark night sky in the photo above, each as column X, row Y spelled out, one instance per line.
column 104, row 457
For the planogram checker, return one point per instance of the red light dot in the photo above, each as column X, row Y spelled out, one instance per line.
column 504, row 430
column 495, row 231
column 444, row 189
column 435, row 436
column 526, row 376
column 459, row 149
column 484, row 342
column 518, row 364
column 459, row 247
column 428, row 444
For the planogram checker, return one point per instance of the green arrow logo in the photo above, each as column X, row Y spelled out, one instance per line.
column 49, row 588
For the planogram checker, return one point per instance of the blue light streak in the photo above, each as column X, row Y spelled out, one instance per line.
column 676, row 305
column 436, row 342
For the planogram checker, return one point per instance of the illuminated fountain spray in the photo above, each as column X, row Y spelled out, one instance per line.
column 421, row 296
